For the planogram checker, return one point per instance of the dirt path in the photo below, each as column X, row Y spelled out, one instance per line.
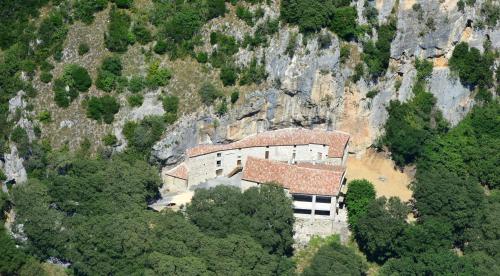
column 379, row 169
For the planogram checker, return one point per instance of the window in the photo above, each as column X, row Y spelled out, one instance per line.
column 219, row 154
column 321, row 212
column 218, row 172
column 323, row 199
column 306, row 198
column 301, row 211
column 294, row 155
column 219, row 163
column 238, row 162
column 320, row 156
column 267, row 154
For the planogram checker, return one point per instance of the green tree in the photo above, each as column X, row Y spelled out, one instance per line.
column 209, row 93
column 378, row 230
column 117, row 38
column 335, row 259
column 344, row 22
column 102, row 108
column 359, row 195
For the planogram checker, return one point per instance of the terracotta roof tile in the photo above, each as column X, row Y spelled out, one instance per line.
column 181, row 171
column 312, row 179
column 283, row 137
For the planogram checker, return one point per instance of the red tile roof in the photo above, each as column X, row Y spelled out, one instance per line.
column 181, row 171
column 298, row 179
column 335, row 140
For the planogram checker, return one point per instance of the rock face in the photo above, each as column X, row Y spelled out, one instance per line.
column 308, row 86
column 13, row 166
column 452, row 98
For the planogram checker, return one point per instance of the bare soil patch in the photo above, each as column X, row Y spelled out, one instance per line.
column 381, row 171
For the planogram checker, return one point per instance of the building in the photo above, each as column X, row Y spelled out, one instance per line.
column 309, row 164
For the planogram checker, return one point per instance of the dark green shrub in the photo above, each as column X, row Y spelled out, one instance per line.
column 359, row 72
column 324, row 40
column 83, row 48
column 371, row 94
column 124, row 4
column 76, row 79
column 46, row 66
column 228, row 75
column 117, row 38
column 202, row 57
column 170, row 118
column 45, row 116
column 222, row 108
column 142, row 34
column 345, row 51
column 105, row 81
column 424, row 68
column 244, row 14
column 110, row 140
column 344, row 22
column 136, row 84
column 235, row 95
column 135, row 100
column 80, row 77
column 102, row 108
column 216, row 8
column 45, row 77
column 157, row 76
column 84, row 9
column 112, row 64
column 20, row 137
column 183, row 24
column 254, row 73
column 171, row 104
column 209, row 93
column 376, row 55
column 160, row 47
column 473, row 68
column 142, row 136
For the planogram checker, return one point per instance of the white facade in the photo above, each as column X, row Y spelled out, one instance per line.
column 223, row 163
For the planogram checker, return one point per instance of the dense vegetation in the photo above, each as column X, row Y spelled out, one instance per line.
column 93, row 214
column 412, row 124
column 451, row 207
column 74, row 80
column 311, row 16
column 262, row 213
column 473, row 68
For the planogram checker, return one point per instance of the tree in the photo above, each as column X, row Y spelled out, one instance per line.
column 473, row 68
column 141, row 136
column 209, row 93
column 441, row 195
column 117, row 38
column 335, row 259
column 102, row 108
column 379, row 229
column 344, row 22
column 263, row 213
column 360, row 194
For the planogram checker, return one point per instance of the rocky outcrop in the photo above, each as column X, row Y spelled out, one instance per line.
column 13, row 167
column 452, row 98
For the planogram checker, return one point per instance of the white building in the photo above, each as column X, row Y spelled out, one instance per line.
column 309, row 164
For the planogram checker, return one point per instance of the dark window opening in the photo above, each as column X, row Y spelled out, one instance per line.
column 219, row 154
column 219, row 163
column 238, row 163
column 323, row 199
column 301, row 211
column 306, row 198
column 321, row 212
column 218, row 172
column 267, row 154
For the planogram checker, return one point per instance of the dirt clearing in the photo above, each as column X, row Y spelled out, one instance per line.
column 380, row 170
